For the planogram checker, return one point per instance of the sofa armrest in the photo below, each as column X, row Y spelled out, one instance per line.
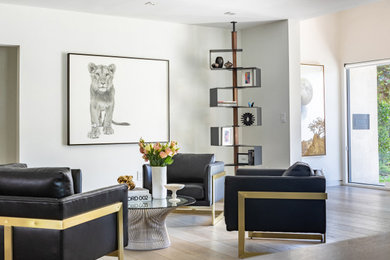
column 211, row 170
column 147, row 177
column 259, row 172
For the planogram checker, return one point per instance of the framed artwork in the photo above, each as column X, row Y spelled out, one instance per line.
column 227, row 135
column 313, row 110
column 247, row 78
column 242, row 158
column 117, row 100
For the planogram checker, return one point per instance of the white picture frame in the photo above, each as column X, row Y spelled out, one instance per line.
column 247, row 77
column 99, row 115
column 227, row 136
column 313, row 129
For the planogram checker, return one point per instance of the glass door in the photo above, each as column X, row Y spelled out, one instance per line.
column 368, row 103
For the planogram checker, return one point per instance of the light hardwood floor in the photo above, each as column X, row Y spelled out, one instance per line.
column 351, row 213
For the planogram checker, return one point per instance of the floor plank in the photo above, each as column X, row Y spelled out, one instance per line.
column 351, row 213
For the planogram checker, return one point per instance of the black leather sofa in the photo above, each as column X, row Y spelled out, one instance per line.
column 199, row 172
column 54, row 194
column 276, row 204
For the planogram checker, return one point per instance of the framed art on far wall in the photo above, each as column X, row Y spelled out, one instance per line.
column 313, row 132
column 108, row 97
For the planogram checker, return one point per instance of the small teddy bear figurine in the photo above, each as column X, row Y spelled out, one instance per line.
column 128, row 180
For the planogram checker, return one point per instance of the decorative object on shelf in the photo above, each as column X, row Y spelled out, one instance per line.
column 174, row 187
column 247, row 119
column 251, row 104
column 251, row 157
column 313, row 110
column 243, row 158
column 119, row 80
column 128, row 180
column 227, row 136
column 219, row 61
column 228, row 65
column 159, row 155
column 139, row 195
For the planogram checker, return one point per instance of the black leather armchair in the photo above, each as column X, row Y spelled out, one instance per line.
column 276, row 205
column 44, row 215
column 203, row 178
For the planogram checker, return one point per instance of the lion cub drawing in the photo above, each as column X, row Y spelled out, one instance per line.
column 102, row 100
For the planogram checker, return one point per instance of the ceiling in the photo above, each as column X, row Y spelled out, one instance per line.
column 202, row 12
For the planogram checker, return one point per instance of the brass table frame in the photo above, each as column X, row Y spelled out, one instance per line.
column 242, row 195
column 9, row 222
column 216, row 215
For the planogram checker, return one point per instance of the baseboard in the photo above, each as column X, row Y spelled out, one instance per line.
column 330, row 183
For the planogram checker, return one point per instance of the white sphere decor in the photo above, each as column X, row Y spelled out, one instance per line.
column 306, row 92
column 174, row 187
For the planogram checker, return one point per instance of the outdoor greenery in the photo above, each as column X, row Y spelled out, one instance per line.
column 383, row 82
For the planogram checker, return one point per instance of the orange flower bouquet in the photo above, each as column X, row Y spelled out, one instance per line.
column 158, row 154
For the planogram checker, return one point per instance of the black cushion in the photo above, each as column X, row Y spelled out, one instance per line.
column 299, row 169
column 189, row 167
column 36, row 182
column 194, row 190
column 13, row 165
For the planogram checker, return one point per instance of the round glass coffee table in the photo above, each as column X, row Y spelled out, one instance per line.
column 147, row 228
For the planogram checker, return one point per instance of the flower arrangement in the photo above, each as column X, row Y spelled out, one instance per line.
column 158, row 154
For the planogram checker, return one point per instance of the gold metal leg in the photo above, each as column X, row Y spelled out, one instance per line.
column 120, row 233
column 7, row 243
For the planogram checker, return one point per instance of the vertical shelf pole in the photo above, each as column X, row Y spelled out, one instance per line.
column 235, row 95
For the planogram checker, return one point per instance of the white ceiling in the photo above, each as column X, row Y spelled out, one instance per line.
column 204, row 12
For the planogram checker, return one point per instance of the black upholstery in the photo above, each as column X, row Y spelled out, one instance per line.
column 36, row 182
column 195, row 171
column 275, row 215
column 89, row 240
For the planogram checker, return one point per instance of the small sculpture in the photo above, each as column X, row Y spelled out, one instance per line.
column 128, row 180
column 219, row 61
column 228, row 65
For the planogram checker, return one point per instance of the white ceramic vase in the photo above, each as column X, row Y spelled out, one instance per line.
column 159, row 180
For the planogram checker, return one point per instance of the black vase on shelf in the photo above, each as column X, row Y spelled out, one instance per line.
column 219, row 61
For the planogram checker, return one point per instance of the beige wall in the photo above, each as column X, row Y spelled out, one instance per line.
column 319, row 45
column 355, row 35
column 8, row 104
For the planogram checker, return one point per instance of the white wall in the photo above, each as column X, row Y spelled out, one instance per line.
column 8, row 104
column 294, row 58
column 45, row 36
column 320, row 45
column 266, row 46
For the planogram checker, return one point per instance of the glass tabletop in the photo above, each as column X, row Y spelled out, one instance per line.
column 164, row 203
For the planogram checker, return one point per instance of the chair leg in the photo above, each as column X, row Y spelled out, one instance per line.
column 7, row 242
column 120, row 234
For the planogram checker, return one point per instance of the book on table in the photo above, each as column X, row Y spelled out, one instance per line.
column 139, row 194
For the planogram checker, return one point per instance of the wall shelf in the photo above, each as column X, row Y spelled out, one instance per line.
column 250, row 78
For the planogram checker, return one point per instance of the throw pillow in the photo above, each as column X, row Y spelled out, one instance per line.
column 299, row 169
